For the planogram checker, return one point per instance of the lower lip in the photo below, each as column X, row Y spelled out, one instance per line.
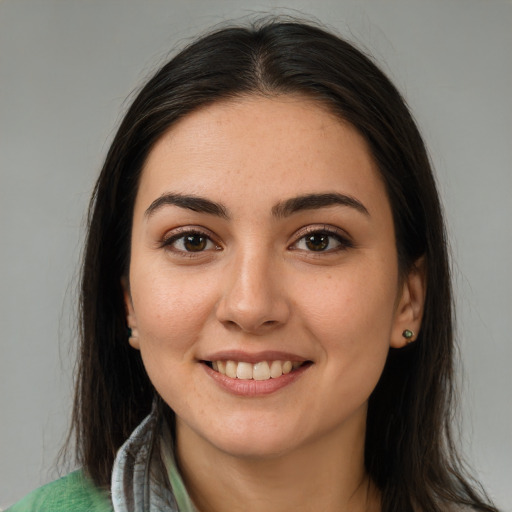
column 254, row 388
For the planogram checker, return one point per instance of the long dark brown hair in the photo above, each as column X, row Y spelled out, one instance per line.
column 410, row 454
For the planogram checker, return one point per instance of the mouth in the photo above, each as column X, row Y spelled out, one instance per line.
column 261, row 370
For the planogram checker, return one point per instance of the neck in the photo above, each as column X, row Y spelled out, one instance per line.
column 326, row 474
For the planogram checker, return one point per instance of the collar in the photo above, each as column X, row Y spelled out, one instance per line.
column 138, row 484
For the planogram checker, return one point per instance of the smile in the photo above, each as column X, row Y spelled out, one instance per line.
column 262, row 370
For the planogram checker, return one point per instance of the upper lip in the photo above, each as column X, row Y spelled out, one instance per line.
column 253, row 357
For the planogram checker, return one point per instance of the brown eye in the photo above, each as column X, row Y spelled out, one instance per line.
column 322, row 241
column 190, row 242
column 195, row 243
column 317, row 241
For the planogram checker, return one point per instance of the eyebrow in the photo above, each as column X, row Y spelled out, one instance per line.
column 189, row 202
column 314, row 201
column 280, row 210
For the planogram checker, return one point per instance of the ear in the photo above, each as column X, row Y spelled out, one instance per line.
column 131, row 321
column 409, row 311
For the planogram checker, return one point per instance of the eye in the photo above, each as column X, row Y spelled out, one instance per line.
column 322, row 241
column 318, row 242
column 190, row 242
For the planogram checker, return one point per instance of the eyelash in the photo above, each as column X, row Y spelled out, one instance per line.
column 328, row 231
column 181, row 234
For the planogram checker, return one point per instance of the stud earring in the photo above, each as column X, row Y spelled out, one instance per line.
column 133, row 334
column 408, row 334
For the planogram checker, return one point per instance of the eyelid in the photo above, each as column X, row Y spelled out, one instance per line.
column 175, row 234
column 343, row 237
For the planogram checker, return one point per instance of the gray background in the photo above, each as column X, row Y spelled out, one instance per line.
column 66, row 68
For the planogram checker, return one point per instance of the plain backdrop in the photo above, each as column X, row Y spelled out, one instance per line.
column 66, row 68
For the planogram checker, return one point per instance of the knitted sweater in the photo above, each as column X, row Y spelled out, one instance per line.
column 73, row 492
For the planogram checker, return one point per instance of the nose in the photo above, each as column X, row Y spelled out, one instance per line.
column 254, row 296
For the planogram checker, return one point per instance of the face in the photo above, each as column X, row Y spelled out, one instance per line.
column 264, row 291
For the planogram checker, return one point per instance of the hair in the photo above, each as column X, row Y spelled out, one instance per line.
column 410, row 452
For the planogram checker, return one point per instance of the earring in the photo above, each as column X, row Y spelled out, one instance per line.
column 133, row 334
column 408, row 334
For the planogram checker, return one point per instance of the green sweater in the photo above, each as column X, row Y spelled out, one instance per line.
column 74, row 492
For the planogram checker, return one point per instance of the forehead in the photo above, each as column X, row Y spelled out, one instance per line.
column 258, row 147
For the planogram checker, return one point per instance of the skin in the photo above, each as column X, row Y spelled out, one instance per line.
column 257, row 286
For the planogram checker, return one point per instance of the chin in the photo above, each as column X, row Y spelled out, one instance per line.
column 245, row 439
column 255, row 447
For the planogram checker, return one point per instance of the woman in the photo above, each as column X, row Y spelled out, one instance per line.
column 266, row 302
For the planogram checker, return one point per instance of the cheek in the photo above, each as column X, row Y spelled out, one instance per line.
column 357, row 298
column 351, row 316
column 170, row 310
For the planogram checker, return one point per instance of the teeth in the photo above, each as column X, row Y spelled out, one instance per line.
column 262, row 370
column 231, row 367
column 276, row 369
column 244, row 371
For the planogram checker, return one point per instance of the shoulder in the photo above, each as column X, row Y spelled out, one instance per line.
column 73, row 492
